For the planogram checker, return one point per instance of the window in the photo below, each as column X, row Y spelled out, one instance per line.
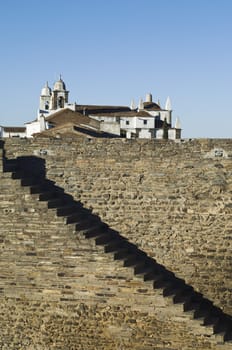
column 145, row 122
column 127, row 122
column 61, row 102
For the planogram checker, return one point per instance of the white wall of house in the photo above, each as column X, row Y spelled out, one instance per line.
column 154, row 113
column 32, row 128
column 159, row 133
column 141, row 126
column 145, row 123
column 173, row 134
column 128, row 123
column 104, row 119
column 112, row 128
column 36, row 126
column 4, row 133
column 167, row 115
column 145, row 134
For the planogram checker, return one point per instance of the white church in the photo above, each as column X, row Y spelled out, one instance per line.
column 146, row 120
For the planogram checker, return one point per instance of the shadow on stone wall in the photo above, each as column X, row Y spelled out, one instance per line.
column 31, row 172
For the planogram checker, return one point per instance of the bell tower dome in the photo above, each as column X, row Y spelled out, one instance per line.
column 45, row 98
column 59, row 95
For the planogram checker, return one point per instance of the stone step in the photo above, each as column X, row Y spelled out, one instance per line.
column 143, row 269
column 115, row 245
column 157, row 272
column 11, row 165
column 106, row 237
column 85, row 222
column 47, row 195
column 20, row 174
column 95, row 229
column 77, row 218
column 68, row 209
column 212, row 318
column 124, row 252
column 203, row 310
column 193, row 303
column 163, row 282
column 183, row 296
column 44, row 186
column 178, row 289
column 223, row 327
column 201, row 313
column 58, row 202
column 140, row 268
column 28, row 181
column 228, row 335
column 133, row 259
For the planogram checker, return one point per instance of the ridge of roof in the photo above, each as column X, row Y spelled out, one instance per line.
column 14, row 128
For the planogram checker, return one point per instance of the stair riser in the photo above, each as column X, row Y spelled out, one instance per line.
column 114, row 247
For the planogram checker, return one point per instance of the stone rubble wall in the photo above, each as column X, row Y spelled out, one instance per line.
column 59, row 291
column 173, row 200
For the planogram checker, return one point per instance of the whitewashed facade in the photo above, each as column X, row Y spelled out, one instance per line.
column 145, row 121
column 12, row 131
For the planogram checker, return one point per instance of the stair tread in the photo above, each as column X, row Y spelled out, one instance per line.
column 115, row 245
column 154, row 275
column 88, row 232
column 181, row 291
column 86, row 222
column 132, row 260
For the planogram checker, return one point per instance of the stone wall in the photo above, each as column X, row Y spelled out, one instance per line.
column 172, row 199
column 59, row 291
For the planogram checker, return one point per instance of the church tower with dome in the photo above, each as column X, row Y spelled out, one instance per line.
column 147, row 120
column 45, row 98
column 51, row 100
column 59, row 95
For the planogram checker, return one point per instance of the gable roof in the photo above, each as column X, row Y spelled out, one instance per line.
column 66, row 115
column 14, row 128
column 151, row 106
column 74, row 130
column 95, row 109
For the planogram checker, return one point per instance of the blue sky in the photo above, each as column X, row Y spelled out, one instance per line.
column 110, row 52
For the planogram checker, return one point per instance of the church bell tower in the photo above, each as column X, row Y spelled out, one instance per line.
column 59, row 95
column 45, row 99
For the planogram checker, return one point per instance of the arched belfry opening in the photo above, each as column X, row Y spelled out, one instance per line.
column 53, row 99
column 59, row 94
column 60, row 102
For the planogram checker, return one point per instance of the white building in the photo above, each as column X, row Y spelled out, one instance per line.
column 12, row 131
column 49, row 102
column 148, row 120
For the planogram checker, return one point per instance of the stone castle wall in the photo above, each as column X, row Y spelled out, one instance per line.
column 172, row 199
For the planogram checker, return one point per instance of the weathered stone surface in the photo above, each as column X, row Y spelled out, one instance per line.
column 59, row 291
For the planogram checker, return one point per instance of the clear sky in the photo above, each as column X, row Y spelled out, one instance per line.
column 111, row 51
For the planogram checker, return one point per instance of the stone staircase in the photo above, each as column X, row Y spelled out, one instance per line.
column 30, row 172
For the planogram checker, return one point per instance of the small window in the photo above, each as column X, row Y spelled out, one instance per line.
column 61, row 102
column 127, row 122
column 145, row 122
